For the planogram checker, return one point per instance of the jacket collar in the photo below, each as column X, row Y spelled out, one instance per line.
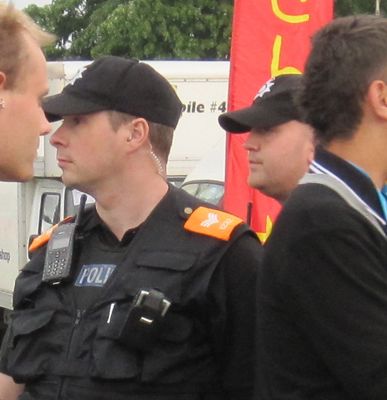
column 356, row 180
column 175, row 199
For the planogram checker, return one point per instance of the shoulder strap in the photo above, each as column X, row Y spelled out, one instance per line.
column 346, row 194
column 212, row 222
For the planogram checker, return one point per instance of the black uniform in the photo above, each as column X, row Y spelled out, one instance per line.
column 74, row 341
column 322, row 298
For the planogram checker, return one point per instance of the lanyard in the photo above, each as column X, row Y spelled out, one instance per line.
column 383, row 200
column 319, row 169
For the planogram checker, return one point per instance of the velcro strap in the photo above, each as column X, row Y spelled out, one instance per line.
column 214, row 223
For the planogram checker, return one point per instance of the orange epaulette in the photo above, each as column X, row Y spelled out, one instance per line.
column 214, row 223
column 42, row 239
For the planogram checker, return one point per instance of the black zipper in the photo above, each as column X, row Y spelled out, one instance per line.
column 78, row 317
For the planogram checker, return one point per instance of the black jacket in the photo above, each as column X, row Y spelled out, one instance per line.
column 202, row 346
column 322, row 297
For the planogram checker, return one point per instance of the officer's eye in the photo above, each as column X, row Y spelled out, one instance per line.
column 75, row 120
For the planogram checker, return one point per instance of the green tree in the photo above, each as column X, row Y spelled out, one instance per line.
column 350, row 7
column 157, row 29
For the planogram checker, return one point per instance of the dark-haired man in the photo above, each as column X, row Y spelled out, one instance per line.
column 322, row 296
column 158, row 301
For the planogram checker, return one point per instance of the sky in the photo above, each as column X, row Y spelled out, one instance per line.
column 24, row 3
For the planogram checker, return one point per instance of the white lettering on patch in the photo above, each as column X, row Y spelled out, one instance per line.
column 94, row 275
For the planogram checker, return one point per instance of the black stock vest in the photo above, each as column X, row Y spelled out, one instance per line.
column 49, row 337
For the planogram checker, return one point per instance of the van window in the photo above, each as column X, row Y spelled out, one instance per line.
column 209, row 191
column 49, row 211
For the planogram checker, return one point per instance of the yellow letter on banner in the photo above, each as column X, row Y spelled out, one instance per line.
column 291, row 19
column 275, row 67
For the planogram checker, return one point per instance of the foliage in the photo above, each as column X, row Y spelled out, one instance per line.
column 157, row 29
column 350, row 7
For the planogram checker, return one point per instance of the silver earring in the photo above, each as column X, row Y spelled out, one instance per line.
column 2, row 103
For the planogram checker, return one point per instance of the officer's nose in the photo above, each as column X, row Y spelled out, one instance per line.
column 58, row 137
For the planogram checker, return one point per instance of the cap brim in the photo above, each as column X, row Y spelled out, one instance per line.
column 253, row 117
column 239, row 121
column 58, row 106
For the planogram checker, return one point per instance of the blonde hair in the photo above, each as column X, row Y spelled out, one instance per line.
column 13, row 24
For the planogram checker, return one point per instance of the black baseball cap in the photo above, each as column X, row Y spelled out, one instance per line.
column 274, row 104
column 118, row 84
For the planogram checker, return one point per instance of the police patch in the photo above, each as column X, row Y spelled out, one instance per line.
column 95, row 275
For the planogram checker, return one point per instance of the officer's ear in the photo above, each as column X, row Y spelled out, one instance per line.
column 137, row 132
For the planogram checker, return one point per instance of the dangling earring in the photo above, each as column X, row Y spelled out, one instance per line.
column 2, row 103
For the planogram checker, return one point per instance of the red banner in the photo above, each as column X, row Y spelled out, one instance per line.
column 270, row 38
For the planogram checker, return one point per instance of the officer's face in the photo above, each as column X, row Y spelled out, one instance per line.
column 89, row 152
column 279, row 158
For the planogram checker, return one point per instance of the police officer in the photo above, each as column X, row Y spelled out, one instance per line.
column 158, row 302
column 276, row 132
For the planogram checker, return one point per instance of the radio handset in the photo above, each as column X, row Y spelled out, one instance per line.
column 60, row 250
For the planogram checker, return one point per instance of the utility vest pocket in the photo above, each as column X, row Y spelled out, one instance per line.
column 183, row 352
column 115, row 355
column 110, row 359
column 164, row 270
column 31, row 344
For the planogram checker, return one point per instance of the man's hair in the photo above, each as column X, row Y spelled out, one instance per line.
column 346, row 56
column 13, row 24
column 160, row 136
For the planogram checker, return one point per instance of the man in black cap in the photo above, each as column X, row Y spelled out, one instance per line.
column 157, row 301
column 280, row 144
